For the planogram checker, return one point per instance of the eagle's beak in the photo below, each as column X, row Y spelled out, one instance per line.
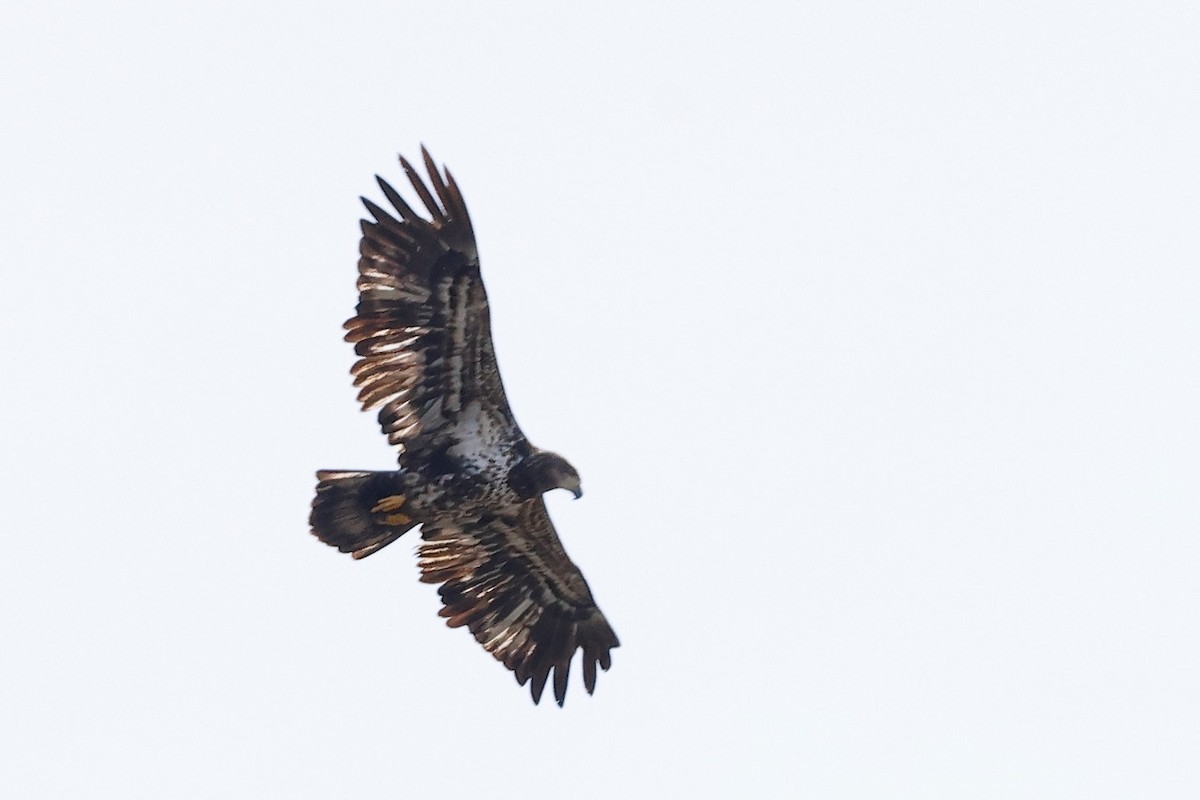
column 578, row 492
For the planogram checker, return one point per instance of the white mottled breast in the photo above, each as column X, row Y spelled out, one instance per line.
column 483, row 441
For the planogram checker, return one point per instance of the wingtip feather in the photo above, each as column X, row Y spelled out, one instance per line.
column 539, row 683
column 562, row 671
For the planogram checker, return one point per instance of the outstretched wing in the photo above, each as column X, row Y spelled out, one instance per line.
column 508, row 579
column 422, row 327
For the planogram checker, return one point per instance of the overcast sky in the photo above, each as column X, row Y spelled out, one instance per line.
column 872, row 329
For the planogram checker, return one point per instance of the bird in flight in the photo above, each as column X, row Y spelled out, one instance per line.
column 467, row 476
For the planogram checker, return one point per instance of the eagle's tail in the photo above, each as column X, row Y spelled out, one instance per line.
column 359, row 512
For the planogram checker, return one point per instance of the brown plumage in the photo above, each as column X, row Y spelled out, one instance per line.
column 468, row 476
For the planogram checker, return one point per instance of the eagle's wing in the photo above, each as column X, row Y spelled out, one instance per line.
column 507, row 577
column 422, row 327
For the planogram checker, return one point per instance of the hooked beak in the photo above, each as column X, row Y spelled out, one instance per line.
column 578, row 492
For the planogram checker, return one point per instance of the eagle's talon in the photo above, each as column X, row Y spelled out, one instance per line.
column 390, row 503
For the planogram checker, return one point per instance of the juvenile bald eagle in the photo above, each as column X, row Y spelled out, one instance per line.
column 468, row 476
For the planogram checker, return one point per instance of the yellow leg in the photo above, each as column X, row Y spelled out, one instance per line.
column 389, row 503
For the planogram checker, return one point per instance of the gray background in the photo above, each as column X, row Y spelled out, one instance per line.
column 872, row 329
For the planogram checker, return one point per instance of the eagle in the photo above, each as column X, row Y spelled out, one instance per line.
column 467, row 475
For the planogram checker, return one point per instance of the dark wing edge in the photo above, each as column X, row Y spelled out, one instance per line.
column 507, row 578
column 422, row 328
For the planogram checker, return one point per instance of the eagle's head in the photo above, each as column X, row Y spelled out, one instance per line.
column 541, row 472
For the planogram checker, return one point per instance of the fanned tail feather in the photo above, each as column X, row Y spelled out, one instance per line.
column 359, row 512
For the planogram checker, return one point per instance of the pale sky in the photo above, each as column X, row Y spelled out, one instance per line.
column 872, row 329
